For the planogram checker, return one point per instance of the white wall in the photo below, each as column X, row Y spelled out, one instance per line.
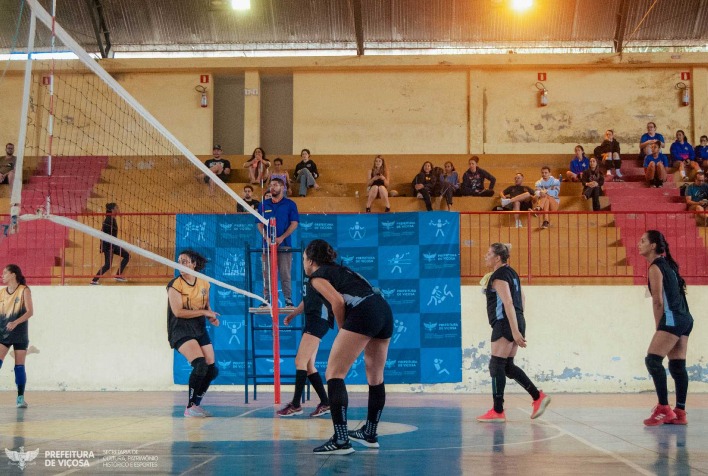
column 581, row 339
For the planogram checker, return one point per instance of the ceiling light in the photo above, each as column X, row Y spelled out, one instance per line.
column 241, row 4
column 521, row 5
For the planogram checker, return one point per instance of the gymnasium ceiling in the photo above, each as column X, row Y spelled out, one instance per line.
column 290, row 27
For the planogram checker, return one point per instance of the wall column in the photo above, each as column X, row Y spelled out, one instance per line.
column 252, row 112
column 475, row 113
column 699, row 101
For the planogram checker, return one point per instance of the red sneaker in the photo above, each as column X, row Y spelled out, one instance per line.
column 289, row 410
column 539, row 405
column 660, row 414
column 492, row 416
column 680, row 417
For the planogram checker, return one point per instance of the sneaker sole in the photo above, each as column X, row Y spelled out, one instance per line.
column 492, row 420
column 544, row 404
column 327, row 412
column 290, row 414
column 344, row 451
column 365, row 443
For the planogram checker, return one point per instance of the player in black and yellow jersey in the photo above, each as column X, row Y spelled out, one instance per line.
column 187, row 313
column 15, row 309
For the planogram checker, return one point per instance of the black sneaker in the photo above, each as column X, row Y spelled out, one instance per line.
column 288, row 303
column 360, row 437
column 331, row 447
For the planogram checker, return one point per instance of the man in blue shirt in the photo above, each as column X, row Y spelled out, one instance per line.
column 655, row 166
column 697, row 198
column 287, row 218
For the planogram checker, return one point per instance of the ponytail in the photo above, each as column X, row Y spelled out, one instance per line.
column 662, row 248
column 14, row 269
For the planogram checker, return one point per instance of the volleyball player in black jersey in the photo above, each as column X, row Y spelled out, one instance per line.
column 365, row 323
column 505, row 310
column 318, row 320
column 187, row 312
column 673, row 324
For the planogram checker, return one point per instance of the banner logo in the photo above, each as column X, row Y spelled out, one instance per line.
column 439, row 225
column 357, row 232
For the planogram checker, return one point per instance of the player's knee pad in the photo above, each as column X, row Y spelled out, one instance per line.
column 200, row 367
column 677, row 368
column 654, row 364
column 497, row 366
column 212, row 373
column 337, row 392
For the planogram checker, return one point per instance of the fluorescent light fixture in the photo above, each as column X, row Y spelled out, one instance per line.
column 241, row 4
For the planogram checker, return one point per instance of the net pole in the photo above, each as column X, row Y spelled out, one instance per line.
column 50, row 125
column 273, row 245
column 16, row 198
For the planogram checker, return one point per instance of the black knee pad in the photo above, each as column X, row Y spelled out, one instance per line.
column 212, row 373
column 200, row 367
column 677, row 368
column 654, row 364
column 497, row 365
column 337, row 392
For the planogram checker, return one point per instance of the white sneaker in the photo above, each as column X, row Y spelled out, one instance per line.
column 619, row 173
column 609, row 174
column 505, row 201
column 519, row 224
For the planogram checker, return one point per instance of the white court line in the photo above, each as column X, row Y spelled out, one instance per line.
column 250, row 411
column 582, row 440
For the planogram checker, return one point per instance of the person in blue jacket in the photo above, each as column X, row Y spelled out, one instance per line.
column 648, row 138
column 578, row 165
column 702, row 152
column 684, row 156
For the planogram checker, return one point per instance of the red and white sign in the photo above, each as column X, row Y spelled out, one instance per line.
column 46, row 80
column 541, row 76
column 685, row 76
column 204, row 78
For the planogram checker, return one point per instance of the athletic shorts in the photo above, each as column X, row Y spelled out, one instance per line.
column 316, row 327
column 202, row 340
column 372, row 317
column 501, row 328
column 16, row 345
column 682, row 327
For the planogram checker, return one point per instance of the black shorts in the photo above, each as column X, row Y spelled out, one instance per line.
column 501, row 328
column 682, row 327
column 16, row 345
column 372, row 317
column 316, row 326
column 202, row 340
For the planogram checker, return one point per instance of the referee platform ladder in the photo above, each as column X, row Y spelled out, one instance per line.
column 259, row 360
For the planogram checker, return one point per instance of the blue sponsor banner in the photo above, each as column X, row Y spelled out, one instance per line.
column 412, row 257
column 440, row 365
column 399, row 262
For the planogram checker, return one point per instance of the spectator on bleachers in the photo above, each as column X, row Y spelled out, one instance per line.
column 449, row 183
column 220, row 167
column 424, row 183
column 377, row 183
column 578, row 165
column 683, row 155
column 248, row 198
column 648, row 139
column 257, row 166
column 655, row 166
column 517, row 197
column 697, row 198
column 473, row 181
column 593, row 180
column 546, row 194
column 279, row 172
column 608, row 154
column 306, row 173
column 7, row 165
column 702, row 152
